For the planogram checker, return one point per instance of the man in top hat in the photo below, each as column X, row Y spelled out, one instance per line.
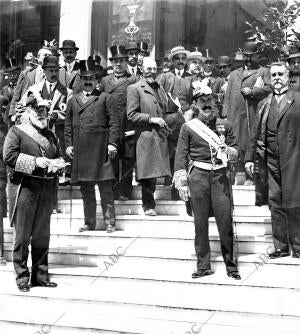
column 205, row 145
column 146, row 108
column 209, row 66
column 116, row 85
column 246, row 87
column 91, row 137
column 178, row 86
column 99, row 68
column 142, row 52
column 68, row 74
column 51, row 91
column 28, row 78
column 132, row 60
column 293, row 59
column 32, row 154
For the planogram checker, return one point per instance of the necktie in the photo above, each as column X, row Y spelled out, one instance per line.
column 133, row 72
column 178, row 75
column 50, row 89
column 69, row 68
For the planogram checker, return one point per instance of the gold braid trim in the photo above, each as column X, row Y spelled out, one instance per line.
column 232, row 153
column 25, row 163
column 180, row 178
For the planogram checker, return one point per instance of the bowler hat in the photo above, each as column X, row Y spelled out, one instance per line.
column 11, row 65
column 208, row 54
column 177, row 50
column 68, row 44
column 131, row 46
column 118, row 51
column 250, row 48
column 87, row 68
column 143, row 48
column 50, row 61
column 294, row 51
column 224, row 61
column 96, row 58
column 196, row 55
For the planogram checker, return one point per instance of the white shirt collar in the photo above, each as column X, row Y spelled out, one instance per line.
column 130, row 68
column 70, row 65
column 179, row 72
column 53, row 84
column 85, row 93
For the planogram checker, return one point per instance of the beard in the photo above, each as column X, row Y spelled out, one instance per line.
column 39, row 123
column 206, row 115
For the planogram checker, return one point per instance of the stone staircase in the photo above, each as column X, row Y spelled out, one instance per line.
column 138, row 279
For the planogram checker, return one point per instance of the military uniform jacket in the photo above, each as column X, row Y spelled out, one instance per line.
column 91, row 125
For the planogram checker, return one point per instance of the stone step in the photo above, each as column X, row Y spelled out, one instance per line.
column 163, row 207
column 241, row 194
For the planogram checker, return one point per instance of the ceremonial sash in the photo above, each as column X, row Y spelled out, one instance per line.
column 209, row 136
column 42, row 141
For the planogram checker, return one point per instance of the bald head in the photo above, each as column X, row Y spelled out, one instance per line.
column 149, row 69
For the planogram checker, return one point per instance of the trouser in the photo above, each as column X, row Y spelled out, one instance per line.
column 210, row 190
column 32, row 221
column 89, row 202
column 3, row 213
column 1, row 237
column 123, row 186
column 148, row 190
column 285, row 221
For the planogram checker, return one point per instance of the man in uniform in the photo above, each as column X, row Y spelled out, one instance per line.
column 206, row 178
column 31, row 152
column 146, row 108
column 91, row 138
column 116, row 86
column 274, row 151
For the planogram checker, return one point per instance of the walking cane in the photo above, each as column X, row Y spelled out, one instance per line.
column 248, row 117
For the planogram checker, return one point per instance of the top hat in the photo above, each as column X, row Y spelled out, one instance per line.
column 132, row 46
column 118, row 51
column 68, row 44
column 50, row 61
column 250, row 48
column 196, row 55
column 87, row 68
column 11, row 65
column 224, row 61
column 208, row 54
column 177, row 50
column 294, row 51
column 96, row 58
column 143, row 48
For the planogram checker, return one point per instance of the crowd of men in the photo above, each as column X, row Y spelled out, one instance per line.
column 196, row 121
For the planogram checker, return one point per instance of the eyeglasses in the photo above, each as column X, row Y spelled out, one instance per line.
column 280, row 74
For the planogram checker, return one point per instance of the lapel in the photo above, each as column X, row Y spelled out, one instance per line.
column 171, row 81
column 56, row 96
column 239, row 73
column 250, row 73
column 115, row 84
column 31, row 77
column 147, row 88
column 84, row 105
column 286, row 103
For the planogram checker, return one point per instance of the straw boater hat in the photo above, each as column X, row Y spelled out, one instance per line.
column 177, row 50
column 196, row 55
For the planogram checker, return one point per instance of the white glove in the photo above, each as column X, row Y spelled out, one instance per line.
column 249, row 167
column 69, row 152
column 184, row 193
column 42, row 162
column 111, row 151
column 157, row 120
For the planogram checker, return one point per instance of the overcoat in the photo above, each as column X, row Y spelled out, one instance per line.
column 71, row 80
column 152, row 154
column 236, row 105
column 288, row 139
column 89, row 127
column 3, row 203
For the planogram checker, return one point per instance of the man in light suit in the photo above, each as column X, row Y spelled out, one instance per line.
column 69, row 73
column 26, row 79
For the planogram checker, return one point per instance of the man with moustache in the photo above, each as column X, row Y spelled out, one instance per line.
column 142, row 52
column 146, row 108
column 91, row 137
column 68, row 74
column 26, row 79
column 116, row 86
column 205, row 145
column 132, row 61
column 273, row 158
column 246, row 87
column 293, row 59
column 195, row 62
column 32, row 154
column 178, row 86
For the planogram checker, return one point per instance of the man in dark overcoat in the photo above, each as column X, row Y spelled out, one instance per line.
column 31, row 153
column 246, row 87
column 91, row 138
column 273, row 156
column 116, row 85
column 146, row 108
column 206, row 144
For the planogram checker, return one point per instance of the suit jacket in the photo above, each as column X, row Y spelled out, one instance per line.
column 151, row 141
column 288, row 139
column 26, row 79
column 237, row 107
column 59, row 100
column 71, row 81
column 90, row 125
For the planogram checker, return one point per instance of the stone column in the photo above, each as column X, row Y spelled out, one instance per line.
column 75, row 24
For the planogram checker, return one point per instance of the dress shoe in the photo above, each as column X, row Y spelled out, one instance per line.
column 2, row 261
column 110, row 228
column 279, row 253
column 234, row 275
column 45, row 284
column 202, row 273
column 23, row 287
column 296, row 254
column 123, row 198
column 85, row 228
column 150, row 212
column 248, row 182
